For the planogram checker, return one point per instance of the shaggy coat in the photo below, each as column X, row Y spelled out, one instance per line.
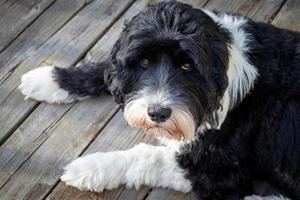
column 231, row 84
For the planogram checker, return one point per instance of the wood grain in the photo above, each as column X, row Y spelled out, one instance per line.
column 15, row 16
column 165, row 194
column 42, row 159
column 289, row 16
column 27, row 43
column 99, row 112
column 64, row 48
column 19, row 54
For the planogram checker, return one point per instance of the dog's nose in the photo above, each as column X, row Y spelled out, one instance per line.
column 158, row 113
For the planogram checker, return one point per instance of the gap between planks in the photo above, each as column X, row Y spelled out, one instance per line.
column 18, row 119
column 11, row 36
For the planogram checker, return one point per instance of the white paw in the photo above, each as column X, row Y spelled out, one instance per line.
column 39, row 84
column 95, row 172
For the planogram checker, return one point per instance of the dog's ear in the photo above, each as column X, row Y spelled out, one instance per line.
column 114, row 84
column 117, row 76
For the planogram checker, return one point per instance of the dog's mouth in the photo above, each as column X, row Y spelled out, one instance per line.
column 180, row 125
column 169, row 132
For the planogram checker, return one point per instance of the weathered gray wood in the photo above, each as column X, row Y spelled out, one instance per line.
column 15, row 158
column 15, row 16
column 100, row 112
column 289, row 16
column 64, row 48
column 56, row 145
column 265, row 10
column 165, row 194
column 240, row 6
column 116, row 131
column 27, row 138
column 22, row 49
column 48, row 23
column 5, row 1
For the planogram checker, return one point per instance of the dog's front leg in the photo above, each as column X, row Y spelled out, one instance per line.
column 143, row 164
column 64, row 85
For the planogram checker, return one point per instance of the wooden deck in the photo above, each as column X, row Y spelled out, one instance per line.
column 38, row 139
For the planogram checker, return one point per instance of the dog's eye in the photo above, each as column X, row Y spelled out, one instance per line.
column 186, row 67
column 145, row 62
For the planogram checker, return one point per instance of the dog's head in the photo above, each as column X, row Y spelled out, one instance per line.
column 169, row 69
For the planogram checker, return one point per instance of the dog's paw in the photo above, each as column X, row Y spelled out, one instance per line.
column 94, row 172
column 40, row 84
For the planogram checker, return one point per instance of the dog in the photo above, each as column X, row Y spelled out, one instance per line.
column 223, row 89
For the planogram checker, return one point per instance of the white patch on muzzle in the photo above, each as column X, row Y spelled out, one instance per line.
column 180, row 125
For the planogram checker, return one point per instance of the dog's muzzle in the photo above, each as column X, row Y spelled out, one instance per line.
column 170, row 121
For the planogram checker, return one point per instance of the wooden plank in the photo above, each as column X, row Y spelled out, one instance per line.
column 27, row 138
column 37, row 33
column 165, row 194
column 15, row 16
column 289, row 16
column 5, row 1
column 64, row 48
column 44, row 131
column 54, row 147
column 24, row 48
column 39, row 121
column 240, row 6
column 262, row 10
column 265, row 11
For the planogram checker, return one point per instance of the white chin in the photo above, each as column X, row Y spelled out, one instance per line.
column 180, row 125
column 157, row 131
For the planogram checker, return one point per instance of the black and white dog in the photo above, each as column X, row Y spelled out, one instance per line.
column 227, row 88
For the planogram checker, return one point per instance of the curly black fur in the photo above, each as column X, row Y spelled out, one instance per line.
column 259, row 141
column 183, row 33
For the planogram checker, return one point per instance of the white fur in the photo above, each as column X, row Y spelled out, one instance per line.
column 241, row 73
column 39, row 84
column 180, row 125
column 141, row 165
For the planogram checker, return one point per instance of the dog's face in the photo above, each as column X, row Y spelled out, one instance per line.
column 169, row 70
